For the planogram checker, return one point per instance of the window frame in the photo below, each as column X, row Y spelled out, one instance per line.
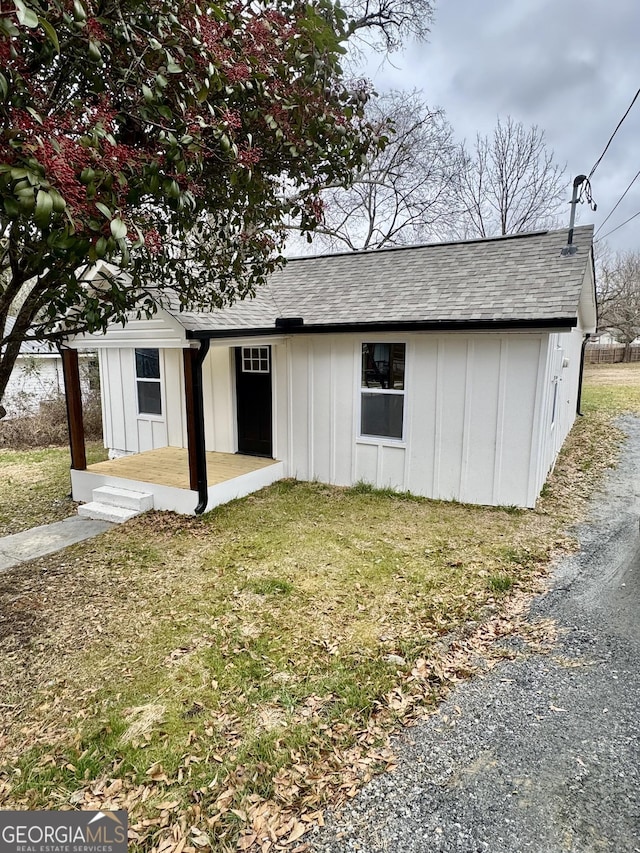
column 369, row 438
column 148, row 380
column 257, row 358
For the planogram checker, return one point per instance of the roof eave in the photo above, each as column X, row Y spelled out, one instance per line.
column 547, row 324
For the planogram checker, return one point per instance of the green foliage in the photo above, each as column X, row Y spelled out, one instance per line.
column 500, row 583
column 170, row 139
column 270, row 586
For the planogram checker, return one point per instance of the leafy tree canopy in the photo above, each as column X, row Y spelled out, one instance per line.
column 168, row 136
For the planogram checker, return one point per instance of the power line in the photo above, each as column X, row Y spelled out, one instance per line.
column 613, row 210
column 618, row 126
column 620, row 226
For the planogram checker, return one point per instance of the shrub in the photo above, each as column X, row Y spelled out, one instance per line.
column 49, row 425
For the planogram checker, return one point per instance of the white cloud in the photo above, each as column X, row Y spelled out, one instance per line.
column 569, row 66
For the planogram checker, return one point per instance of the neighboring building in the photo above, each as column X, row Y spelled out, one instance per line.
column 37, row 376
column 448, row 370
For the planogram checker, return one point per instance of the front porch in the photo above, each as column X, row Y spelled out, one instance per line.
column 164, row 473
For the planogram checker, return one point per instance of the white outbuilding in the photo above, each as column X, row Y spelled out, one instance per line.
column 37, row 376
column 448, row 370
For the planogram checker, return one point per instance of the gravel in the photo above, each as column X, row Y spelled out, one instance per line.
column 543, row 753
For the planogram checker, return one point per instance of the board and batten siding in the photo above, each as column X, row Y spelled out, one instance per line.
column 126, row 431
column 561, row 368
column 470, row 408
column 478, row 410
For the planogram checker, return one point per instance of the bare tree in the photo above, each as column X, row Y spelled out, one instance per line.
column 406, row 192
column 386, row 24
column 510, row 183
column 619, row 297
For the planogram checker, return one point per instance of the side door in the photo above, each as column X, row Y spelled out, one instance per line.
column 254, row 400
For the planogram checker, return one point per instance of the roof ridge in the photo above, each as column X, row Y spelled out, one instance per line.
column 438, row 244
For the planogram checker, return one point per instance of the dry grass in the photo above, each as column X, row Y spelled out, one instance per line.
column 35, row 486
column 48, row 427
column 227, row 677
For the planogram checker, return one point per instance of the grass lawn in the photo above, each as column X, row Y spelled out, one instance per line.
column 226, row 678
column 35, row 486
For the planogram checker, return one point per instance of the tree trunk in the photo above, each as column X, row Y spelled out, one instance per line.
column 626, row 358
column 7, row 362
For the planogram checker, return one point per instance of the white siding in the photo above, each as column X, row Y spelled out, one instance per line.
column 161, row 330
column 34, row 379
column 470, row 404
column 219, row 400
column 126, row 431
column 562, row 367
column 219, row 392
column 477, row 411
column 281, row 386
column 174, row 397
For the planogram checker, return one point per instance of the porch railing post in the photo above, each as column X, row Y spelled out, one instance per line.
column 73, row 397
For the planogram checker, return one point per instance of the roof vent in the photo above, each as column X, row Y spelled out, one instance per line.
column 289, row 322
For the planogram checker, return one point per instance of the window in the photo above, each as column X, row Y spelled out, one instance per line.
column 255, row 359
column 382, row 395
column 148, row 381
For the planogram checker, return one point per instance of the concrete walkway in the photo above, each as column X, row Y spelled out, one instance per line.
column 47, row 539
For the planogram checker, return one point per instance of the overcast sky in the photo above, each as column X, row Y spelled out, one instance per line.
column 569, row 66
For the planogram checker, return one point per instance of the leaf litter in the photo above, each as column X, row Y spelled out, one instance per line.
column 261, row 712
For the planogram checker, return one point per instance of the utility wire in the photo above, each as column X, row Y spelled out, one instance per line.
column 619, row 226
column 613, row 210
column 619, row 125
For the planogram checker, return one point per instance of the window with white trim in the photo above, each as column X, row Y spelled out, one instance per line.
column 148, row 382
column 255, row 359
column 382, row 390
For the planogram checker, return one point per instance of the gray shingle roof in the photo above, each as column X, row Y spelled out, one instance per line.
column 507, row 279
column 31, row 346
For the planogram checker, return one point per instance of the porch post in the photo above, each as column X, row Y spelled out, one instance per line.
column 193, row 359
column 73, row 397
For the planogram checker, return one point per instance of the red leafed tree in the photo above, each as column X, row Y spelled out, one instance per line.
column 166, row 136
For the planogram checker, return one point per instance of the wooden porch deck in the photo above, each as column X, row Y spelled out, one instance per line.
column 169, row 466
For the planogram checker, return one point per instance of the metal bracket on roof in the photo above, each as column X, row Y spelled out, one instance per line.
column 570, row 249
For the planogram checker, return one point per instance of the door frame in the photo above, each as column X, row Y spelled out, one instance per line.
column 236, row 354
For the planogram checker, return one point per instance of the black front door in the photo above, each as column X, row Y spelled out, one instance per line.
column 253, row 395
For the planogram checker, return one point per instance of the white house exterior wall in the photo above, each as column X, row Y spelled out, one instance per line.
column 218, row 382
column 126, row 431
column 219, row 397
column 477, row 411
column 470, row 404
column 562, row 365
column 34, row 379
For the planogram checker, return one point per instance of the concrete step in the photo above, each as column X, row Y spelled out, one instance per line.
column 107, row 512
column 127, row 498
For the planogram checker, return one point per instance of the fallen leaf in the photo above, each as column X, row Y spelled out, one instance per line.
column 245, row 841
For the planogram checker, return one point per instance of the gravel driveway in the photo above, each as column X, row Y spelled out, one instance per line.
column 542, row 754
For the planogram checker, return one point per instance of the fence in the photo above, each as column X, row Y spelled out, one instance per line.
column 611, row 353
